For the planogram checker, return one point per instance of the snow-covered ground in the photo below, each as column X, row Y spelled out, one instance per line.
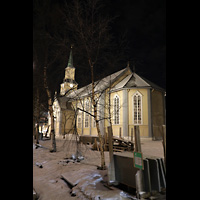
column 49, row 168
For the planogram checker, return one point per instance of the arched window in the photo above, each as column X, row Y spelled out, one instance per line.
column 137, row 108
column 116, row 109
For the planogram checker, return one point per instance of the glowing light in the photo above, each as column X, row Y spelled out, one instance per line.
column 70, row 85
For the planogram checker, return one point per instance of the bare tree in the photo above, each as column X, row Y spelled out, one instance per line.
column 50, row 107
column 36, row 117
column 39, row 100
column 48, row 49
column 91, row 31
column 85, row 25
column 96, row 93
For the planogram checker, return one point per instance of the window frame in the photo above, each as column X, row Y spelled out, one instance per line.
column 137, row 94
column 79, row 117
column 87, row 116
column 114, row 112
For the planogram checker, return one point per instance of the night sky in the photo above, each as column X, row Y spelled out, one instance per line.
column 143, row 25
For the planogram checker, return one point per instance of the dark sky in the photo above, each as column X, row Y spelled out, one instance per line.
column 144, row 25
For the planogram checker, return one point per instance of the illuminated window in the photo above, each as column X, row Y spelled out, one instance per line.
column 137, row 108
column 116, row 109
column 86, row 114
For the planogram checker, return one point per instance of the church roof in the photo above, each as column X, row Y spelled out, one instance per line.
column 100, row 85
column 132, row 80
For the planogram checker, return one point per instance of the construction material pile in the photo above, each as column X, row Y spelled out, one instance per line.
column 119, row 144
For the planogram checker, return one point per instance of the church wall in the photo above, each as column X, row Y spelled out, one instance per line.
column 57, row 117
column 69, row 73
column 94, row 131
column 144, row 129
column 158, row 115
column 86, row 131
column 116, row 130
column 57, row 127
column 91, row 129
column 79, row 130
column 67, row 121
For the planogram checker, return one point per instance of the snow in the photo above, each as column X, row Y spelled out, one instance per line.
column 88, row 182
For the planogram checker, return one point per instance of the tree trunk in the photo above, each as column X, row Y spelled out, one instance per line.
column 50, row 104
column 37, row 134
column 52, row 135
column 109, row 105
column 97, row 122
column 47, row 131
column 37, row 118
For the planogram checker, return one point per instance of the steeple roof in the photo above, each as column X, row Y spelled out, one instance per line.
column 70, row 61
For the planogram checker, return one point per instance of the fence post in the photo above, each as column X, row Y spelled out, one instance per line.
column 120, row 132
column 139, row 174
column 131, row 134
column 111, row 168
column 164, row 142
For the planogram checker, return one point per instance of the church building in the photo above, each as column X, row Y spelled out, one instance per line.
column 123, row 98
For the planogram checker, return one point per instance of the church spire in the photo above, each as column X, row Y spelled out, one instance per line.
column 69, row 82
column 70, row 61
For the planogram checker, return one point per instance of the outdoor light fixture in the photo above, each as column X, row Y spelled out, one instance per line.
column 71, row 85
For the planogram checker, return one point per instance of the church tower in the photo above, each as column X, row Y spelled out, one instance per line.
column 69, row 83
